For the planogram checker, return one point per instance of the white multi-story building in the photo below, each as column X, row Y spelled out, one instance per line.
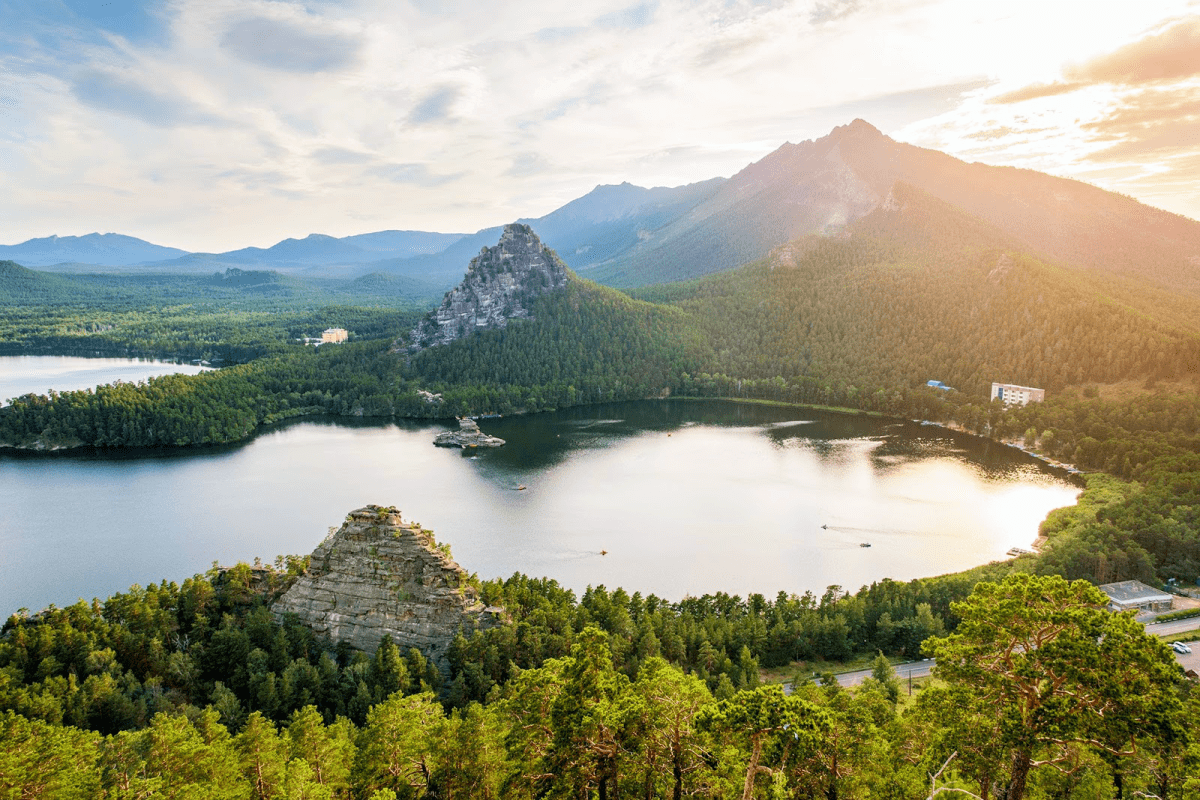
column 1013, row 395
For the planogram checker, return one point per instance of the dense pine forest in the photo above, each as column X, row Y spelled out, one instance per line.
column 195, row 690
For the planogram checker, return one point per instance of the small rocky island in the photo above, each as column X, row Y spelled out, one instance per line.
column 379, row 575
column 467, row 435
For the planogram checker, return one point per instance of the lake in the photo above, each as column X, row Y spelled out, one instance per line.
column 685, row 498
column 39, row 374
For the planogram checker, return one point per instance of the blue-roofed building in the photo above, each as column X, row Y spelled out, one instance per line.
column 938, row 385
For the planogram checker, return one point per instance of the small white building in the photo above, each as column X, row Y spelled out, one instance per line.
column 1135, row 596
column 334, row 335
column 1013, row 395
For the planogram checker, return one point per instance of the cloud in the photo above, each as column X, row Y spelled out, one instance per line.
column 435, row 106
column 638, row 16
column 285, row 45
column 1002, row 132
column 340, row 155
column 415, row 174
column 335, row 110
column 832, row 10
column 558, row 34
column 1149, row 123
column 730, row 47
column 530, row 163
column 1171, row 55
column 897, row 109
column 256, row 179
column 121, row 95
column 1035, row 91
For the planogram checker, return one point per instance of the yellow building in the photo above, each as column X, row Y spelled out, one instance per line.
column 334, row 335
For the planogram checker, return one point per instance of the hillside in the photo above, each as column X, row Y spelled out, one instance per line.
column 818, row 186
column 918, row 290
column 522, row 331
column 22, row 286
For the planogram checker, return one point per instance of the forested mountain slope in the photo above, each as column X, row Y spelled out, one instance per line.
column 918, row 290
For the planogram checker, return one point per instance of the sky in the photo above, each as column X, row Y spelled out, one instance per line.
column 211, row 125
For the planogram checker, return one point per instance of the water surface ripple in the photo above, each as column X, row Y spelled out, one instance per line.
column 685, row 498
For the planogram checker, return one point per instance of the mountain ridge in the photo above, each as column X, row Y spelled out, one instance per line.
column 625, row 235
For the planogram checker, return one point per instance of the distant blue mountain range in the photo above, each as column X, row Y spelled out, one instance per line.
column 115, row 250
column 108, row 249
column 593, row 229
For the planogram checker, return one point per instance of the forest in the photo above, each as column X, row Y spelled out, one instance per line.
column 195, row 690
column 228, row 317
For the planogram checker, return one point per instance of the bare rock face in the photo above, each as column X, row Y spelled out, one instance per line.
column 501, row 283
column 379, row 575
column 467, row 435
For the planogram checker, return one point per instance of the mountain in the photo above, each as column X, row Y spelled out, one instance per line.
column 500, row 285
column 820, row 186
column 444, row 269
column 106, row 249
column 918, row 289
column 523, row 332
column 597, row 227
column 402, row 244
column 610, row 220
column 319, row 249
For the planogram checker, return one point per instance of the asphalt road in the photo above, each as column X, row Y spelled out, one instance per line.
column 921, row 669
column 1177, row 626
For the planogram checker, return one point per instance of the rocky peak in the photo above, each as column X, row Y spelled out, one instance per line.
column 501, row 284
column 858, row 128
column 379, row 575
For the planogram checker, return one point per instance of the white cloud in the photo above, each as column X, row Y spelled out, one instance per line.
column 247, row 121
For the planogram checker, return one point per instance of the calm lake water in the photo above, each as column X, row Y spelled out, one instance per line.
column 24, row 374
column 685, row 497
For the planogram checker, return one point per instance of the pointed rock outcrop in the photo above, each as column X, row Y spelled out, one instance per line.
column 501, row 284
column 379, row 575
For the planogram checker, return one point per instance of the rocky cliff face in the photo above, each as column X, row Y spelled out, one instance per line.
column 380, row 575
column 501, row 284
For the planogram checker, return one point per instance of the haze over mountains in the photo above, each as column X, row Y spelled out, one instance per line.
column 103, row 249
column 627, row 236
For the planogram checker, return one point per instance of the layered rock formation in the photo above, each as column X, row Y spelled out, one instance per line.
column 467, row 435
column 501, row 283
column 379, row 575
